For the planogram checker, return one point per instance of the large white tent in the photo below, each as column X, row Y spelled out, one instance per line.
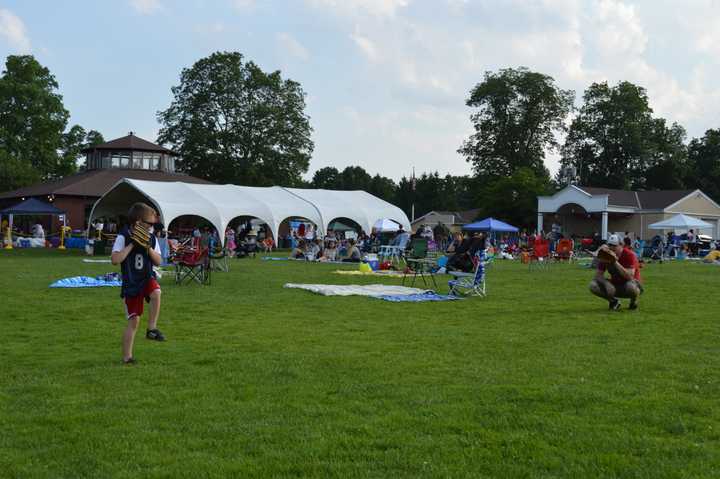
column 220, row 204
column 680, row 222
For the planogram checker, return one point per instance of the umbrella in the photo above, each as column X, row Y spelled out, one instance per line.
column 386, row 225
column 491, row 224
column 680, row 222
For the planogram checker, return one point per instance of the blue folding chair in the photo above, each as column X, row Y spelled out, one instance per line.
column 470, row 284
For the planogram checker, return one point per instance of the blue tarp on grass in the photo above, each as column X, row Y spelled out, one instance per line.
column 86, row 282
column 418, row 298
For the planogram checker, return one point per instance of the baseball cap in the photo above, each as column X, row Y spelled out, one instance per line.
column 613, row 240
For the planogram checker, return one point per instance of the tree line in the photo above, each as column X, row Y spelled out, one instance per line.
column 232, row 122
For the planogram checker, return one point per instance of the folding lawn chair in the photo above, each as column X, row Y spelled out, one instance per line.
column 219, row 260
column 540, row 257
column 192, row 264
column 470, row 284
column 394, row 254
column 656, row 250
column 418, row 248
column 565, row 250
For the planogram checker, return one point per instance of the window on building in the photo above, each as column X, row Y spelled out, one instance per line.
column 137, row 160
column 123, row 158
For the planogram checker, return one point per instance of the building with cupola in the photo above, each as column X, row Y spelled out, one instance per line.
column 105, row 165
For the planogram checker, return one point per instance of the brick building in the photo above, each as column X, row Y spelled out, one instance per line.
column 106, row 164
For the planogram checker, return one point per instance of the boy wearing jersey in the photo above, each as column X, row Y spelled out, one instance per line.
column 138, row 278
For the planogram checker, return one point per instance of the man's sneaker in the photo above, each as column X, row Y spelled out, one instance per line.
column 155, row 335
column 130, row 361
column 633, row 305
column 615, row 305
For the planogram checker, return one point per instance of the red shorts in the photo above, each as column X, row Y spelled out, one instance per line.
column 134, row 306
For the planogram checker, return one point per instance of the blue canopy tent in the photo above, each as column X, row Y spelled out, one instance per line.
column 32, row 207
column 491, row 225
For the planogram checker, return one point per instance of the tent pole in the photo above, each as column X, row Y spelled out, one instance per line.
column 8, row 236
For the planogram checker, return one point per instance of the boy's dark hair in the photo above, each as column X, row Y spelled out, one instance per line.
column 138, row 211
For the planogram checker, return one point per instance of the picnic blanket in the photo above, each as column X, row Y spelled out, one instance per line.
column 395, row 294
column 373, row 290
column 419, row 298
column 387, row 273
column 275, row 258
column 111, row 280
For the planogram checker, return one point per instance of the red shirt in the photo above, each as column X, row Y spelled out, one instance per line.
column 628, row 259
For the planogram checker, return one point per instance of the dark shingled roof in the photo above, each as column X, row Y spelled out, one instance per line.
column 616, row 197
column 96, row 183
column 646, row 200
column 658, row 200
column 130, row 142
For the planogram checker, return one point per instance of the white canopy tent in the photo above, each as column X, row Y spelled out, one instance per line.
column 220, row 204
column 680, row 222
column 385, row 225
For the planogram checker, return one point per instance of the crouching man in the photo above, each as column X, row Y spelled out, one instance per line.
column 621, row 263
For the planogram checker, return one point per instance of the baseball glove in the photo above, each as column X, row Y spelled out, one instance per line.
column 606, row 255
column 140, row 236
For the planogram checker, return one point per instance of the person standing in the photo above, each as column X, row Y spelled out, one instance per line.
column 136, row 262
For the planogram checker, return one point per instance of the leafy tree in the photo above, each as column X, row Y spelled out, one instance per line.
column 326, row 178
column 383, row 188
column 518, row 115
column 614, row 141
column 233, row 122
column 355, row 178
column 33, row 146
column 703, row 170
column 71, row 143
column 433, row 192
column 514, row 199
column 93, row 138
column 669, row 167
column 15, row 173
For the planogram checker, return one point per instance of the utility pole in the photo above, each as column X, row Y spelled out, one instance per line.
column 413, row 182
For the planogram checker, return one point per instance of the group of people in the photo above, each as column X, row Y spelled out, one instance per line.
column 328, row 249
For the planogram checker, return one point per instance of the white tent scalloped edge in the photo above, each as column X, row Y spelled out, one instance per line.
column 220, row 204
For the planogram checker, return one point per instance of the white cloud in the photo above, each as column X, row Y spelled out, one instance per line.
column 146, row 7
column 211, row 28
column 366, row 46
column 375, row 8
column 12, row 29
column 243, row 4
column 291, row 45
column 428, row 62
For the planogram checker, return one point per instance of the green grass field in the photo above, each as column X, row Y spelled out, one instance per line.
column 536, row 380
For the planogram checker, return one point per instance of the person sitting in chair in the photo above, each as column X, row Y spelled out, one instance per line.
column 353, row 253
column 462, row 259
column 624, row 271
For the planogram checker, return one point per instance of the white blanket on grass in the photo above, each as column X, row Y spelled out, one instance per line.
column 357, row 290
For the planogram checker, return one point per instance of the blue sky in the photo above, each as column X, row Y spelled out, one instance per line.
column 386, row 79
